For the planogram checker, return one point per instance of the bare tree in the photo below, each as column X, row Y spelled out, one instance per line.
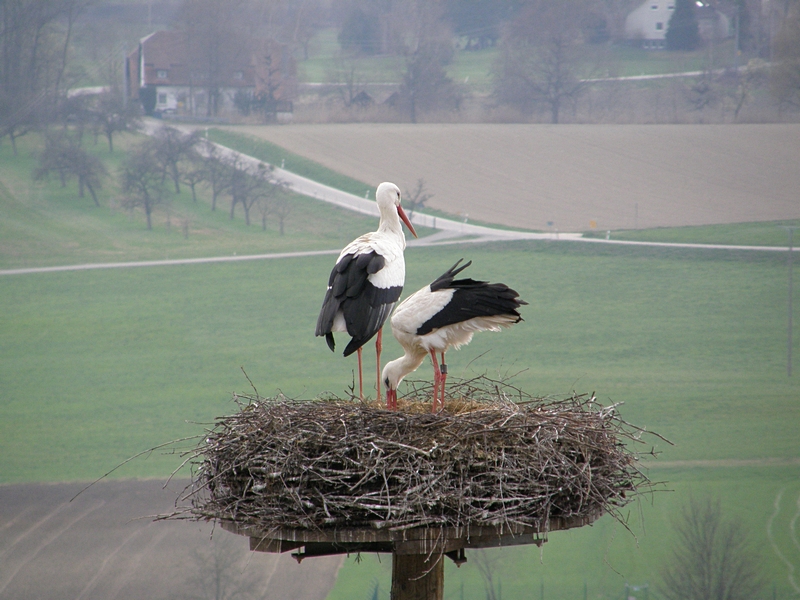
column 542, row 58
column 417, row 198
column 170, row 147
column 246, row 187
column 193, row 176
column 217, row 172
column 217, row 39
column 34, row 50
column 282, row 208
column 747, row 81
column 112, row 115
column 271, row 200
column 218, row 572
column 142, row 182
column 55, row 158
column 422, row 36
column 713, row 557
column 486, row 563
column 785, row 71
column 64, row 156
column 703, row 93
column 348, row 81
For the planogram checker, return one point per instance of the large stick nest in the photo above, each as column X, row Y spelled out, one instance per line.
column 493, row 457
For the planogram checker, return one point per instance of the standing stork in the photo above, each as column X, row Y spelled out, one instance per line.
column 443, row 314
column 366, row 281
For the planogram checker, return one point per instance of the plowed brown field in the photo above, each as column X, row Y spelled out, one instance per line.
column 105, row 545
column 619, row 176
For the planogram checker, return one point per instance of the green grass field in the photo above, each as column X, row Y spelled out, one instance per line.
column 96, row 366
column 473, row 69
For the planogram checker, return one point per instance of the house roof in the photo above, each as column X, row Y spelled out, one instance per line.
column 167, row 60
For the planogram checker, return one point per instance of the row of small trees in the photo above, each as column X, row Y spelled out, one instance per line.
column 155, row 169
column 172, row 158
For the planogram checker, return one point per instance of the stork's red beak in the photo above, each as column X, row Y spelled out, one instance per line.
column 391, row 399
column 405, row 219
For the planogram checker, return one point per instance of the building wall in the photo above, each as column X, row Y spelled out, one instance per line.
column 649, row 22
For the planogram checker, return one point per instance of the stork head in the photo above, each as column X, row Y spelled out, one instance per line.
column 394, row 372
column 388, row 199
column 392, row 375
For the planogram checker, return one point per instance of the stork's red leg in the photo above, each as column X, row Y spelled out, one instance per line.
column 443, row 370
column 378, row 347
column 437, row 376
column 360, row 377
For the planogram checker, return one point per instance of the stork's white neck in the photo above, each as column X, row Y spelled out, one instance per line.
column 391, row 223
column 398, row 368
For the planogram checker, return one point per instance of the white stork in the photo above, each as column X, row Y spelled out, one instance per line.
column 443, row 314
column 367, row 280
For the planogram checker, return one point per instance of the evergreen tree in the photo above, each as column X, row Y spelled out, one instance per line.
column 683, row 32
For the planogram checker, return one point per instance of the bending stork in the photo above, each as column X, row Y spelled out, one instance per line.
column 366, row 281
column 443, row 314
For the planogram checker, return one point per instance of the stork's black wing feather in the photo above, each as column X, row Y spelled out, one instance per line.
column 365, row 307
column 471, row 299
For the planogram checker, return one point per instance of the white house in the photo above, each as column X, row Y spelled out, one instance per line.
column 647, row 25
column 163, row 74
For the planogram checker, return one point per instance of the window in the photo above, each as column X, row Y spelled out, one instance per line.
column 659, row 26
column 654, row 7
column 161, row 73
column 162, row 98
column 670, row 7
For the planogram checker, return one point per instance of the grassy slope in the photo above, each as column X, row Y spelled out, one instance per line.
column 276, row 155
column 96, row 366
column 44, row 224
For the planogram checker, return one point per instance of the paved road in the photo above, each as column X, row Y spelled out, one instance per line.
column 449, row 231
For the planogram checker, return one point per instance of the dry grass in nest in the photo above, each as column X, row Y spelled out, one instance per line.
column 494, row 456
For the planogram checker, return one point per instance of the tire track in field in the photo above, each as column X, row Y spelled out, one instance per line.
column 92, row 583
column 133, row 565
column 31, row 529
column 786, row 561
column 49, row 539
column 11, row 522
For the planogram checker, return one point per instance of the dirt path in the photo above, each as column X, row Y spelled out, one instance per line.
column 105, row 545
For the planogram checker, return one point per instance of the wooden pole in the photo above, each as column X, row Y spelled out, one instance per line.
column 417, row 577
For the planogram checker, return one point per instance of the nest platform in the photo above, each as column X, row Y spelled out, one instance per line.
column 495, row 467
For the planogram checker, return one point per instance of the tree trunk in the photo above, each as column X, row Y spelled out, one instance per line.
column 92, row 192
column 176, row 178
column 417, row 577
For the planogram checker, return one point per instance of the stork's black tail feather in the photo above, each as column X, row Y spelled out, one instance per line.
column 447, row 278
column 472, row 299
